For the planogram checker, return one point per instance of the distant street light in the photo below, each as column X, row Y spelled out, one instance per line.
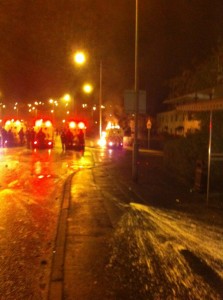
column 17, row 109
column 35, row 107
column 87, row 88
column 54, row 103
column 66, row 97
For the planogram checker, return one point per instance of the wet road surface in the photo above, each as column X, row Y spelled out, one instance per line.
column 30, row 197
column 143, row 251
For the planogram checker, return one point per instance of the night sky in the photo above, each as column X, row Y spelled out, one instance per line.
column 38, row 38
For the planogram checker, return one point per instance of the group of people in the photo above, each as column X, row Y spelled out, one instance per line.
column 10, row 138
column 70, row 140
column 30, row 137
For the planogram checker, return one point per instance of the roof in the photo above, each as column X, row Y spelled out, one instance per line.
column 205, row 100
column 215, row 104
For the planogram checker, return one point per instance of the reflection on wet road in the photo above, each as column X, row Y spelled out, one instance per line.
column 155, row 253
column 30, row 198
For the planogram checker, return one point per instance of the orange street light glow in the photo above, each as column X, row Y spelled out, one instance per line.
column 79, row 58
column 87, row 88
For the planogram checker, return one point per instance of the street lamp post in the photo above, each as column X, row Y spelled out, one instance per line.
column 80, row 58
column 100, row 99
column 135, row 144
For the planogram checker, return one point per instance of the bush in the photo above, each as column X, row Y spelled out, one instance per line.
column 181, row 154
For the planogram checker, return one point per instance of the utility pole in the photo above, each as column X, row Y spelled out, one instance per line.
column 100, row 100
column 135, row 144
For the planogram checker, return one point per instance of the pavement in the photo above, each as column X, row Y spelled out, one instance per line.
column 89, row 214
column 86, row 223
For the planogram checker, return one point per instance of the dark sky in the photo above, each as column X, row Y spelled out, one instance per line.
column 38, row 38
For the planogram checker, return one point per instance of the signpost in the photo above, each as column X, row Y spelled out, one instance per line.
column 149, row 126
column 129, row 101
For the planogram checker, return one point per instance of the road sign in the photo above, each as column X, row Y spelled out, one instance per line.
column 129, row 101
column 149, row 124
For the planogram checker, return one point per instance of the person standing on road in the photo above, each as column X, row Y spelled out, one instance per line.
column 81, row 137
column 21, row 136
column 4, row 137
column 41, row 138
column 32, row 137
column 28, row 138
column 63, row 140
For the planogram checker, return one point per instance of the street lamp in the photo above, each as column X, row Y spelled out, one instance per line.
column 67, row 97
column 17, row 109
column 87, row 88
column 54, row 103
column 80, row 59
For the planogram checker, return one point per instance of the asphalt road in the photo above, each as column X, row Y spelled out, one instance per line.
column 151, row 240
column 124, row 245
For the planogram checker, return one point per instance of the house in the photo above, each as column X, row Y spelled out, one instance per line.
column 181, row 118
column 176, row 122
